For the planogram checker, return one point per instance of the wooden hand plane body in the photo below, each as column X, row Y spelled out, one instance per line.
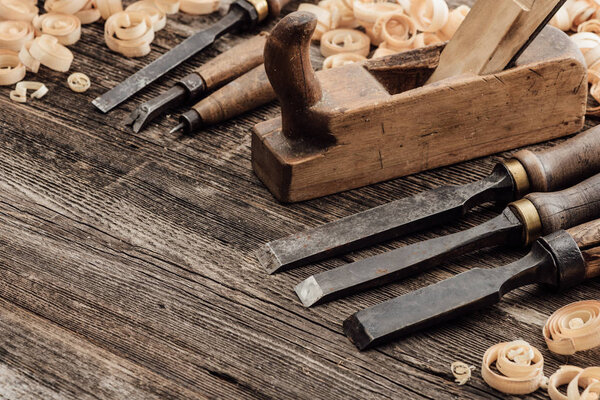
column 365, row 123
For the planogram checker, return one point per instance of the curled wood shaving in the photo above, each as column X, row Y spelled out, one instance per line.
column 367, row 12
column 345, row 41
column 65, row 27
column 27, row 59
column 564, row 375
column 129, row 33
column 397, row 30
column 157, row 17
column 461, row 371
column 18, row 10
column 574, row 327
column 109, row 7
column 79, row 82
column 455, row 18
column 167, row 6
column 589, row 379
column 429, row 15
column 199, row 7
column 89, row 13
column 338, row 60
column 12, row 69
column 14, row 34
column 383, row 51
column 50, row 53
column 85, row 10
column 561, row 20
column 341, row 15
column 20, row 93
column 520, row 368
column 426, row 39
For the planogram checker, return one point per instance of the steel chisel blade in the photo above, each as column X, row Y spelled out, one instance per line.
column 385, row 222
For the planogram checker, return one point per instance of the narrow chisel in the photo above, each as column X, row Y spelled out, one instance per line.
column 521, row 222
column 241, row 13
column 560, row 260
column 220, row 70
column 542, row 171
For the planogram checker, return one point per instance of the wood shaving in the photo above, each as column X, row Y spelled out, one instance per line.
column 89, row 13
column 367, row 12
column 79, row 82
column 157, row 17
column 520, row 368
column 65, row 27
column 12, row 69
column 27, row 59
column 589, row 379
column 323, row 18
column 461, row 371
column 199, row 7
column 345, row 41
column 50, row 53
column 85, row 10
column 14, row 34
column 129, row 33
column 338, row 60
column 109, row 7
column 167, row 6
column 398, row 31
column 575, row 327
column 455, row 18
column 429, row 15
column 18, row 10
column 383, row 51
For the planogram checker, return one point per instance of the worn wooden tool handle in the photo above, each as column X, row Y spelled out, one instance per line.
column 562, row 165
column 287, row 62
column 570, row 207
column 245, row 93
column 587, row 237
column 234, row 62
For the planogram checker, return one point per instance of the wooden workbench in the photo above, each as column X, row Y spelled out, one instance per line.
column 127, row 267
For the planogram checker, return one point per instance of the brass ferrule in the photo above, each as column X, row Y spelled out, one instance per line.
column 529, row 216
column 519, row 176
column 262, row 8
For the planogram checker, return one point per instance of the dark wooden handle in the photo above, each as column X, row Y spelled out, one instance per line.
column 247, row 92
column 562, row 165
column 275, row 7
column 569, row 207
column 287, row 62
column 587, row 237
column 234, row 62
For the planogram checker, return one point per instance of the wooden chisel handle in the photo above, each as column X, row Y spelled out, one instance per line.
column 587, row 237
column 570, row 207
column 246, row 93
column 234, row 62
column 559, row 166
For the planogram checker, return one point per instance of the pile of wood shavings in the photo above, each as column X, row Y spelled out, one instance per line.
column 29, row 40
column 392, row 27
column 582, row 18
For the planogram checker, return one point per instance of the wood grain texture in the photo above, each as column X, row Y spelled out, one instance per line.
column 233, row 63
column 439, row 124
column 127, row 261
column 569, row 207
column 557, row 168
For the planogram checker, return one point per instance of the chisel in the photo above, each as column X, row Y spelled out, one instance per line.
column 241, row 13
column 521, row 222
column 527, row 171
column 560, row 260
column 222, row 69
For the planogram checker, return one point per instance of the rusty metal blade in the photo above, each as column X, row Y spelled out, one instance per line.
column 385, row 222
column 407, row 261
column 463, row 293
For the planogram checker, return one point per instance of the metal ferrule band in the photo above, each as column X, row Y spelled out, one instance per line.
column 529, row 216
column 262, row 8
column 519, row 176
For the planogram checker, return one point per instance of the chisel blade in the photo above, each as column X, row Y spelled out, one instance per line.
column 170, row 60
column 407, row 261
column 451, row 298
column 385, row 222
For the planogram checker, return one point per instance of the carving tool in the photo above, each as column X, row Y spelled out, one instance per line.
column 246, row 93
column 222, row 69
column 560, row 260
column 541, row 171
column 241, row 13
column 520, row 223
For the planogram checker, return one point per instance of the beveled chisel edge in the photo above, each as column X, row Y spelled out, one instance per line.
column 356, row 332
column 268, row 259
column 309, row 292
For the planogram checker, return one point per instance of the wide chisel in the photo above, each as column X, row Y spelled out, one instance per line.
column 241, row 13
column 522, row 222
column 527, row 171
column 560, row 260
